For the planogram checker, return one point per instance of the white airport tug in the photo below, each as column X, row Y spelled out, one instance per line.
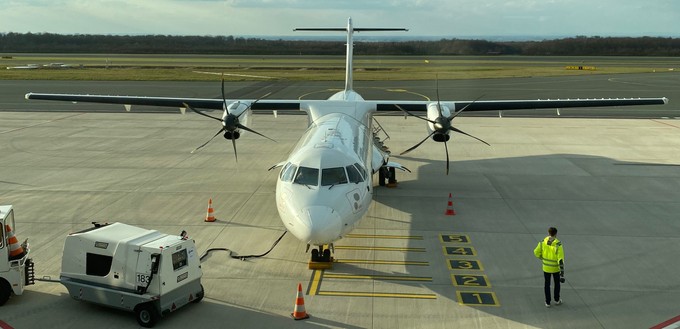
column 131, row 268
column 16, row 269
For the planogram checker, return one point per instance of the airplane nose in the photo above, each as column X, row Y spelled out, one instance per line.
column 323, row 225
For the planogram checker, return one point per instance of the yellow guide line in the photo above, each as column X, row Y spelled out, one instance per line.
column 376, row 277
column 379, row 236
column 382, row 262
column 376, row 294
column 380, row 248
column 315, row 283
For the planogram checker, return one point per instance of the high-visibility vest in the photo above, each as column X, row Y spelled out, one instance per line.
column 15, row 249
column 550, row 253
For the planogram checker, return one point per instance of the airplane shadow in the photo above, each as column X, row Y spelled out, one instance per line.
column 505, row 205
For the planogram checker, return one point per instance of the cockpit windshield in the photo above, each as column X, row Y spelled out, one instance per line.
column 354, row 174
column 307, row 176
column 333, row 176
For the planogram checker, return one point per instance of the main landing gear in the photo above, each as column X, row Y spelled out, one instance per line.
column 387, row 174
column 321, row 258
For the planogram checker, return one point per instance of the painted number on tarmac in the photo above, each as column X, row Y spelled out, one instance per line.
column 463, row 264
column 469, row 280
column 477, row 298
column 460, row 251
column 454, row 238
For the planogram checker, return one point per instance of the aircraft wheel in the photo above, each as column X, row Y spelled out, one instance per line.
column 146, row 314
column 327, row 255
column 315, row 255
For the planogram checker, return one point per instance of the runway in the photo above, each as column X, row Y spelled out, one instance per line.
column 610, row 186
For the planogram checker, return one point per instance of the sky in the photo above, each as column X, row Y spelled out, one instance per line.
column 445, row 18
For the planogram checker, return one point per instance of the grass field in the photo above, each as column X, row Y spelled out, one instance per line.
column 185, row 67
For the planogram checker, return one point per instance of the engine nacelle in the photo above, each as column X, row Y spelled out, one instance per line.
column 236, row 113
column 433, row 114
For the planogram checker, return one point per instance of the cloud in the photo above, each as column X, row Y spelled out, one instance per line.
column 270, row 17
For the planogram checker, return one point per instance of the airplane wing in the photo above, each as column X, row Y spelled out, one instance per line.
column 500, row 105
column 204, row 103
column 382, row 105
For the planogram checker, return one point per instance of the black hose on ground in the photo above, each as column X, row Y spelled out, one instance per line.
column 246, row 256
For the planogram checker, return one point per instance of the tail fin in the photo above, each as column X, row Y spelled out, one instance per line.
column 350, row 45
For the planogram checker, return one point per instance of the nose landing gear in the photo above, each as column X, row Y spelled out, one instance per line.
column 321, row 258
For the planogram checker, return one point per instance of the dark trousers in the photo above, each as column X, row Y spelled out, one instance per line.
column 546, row 287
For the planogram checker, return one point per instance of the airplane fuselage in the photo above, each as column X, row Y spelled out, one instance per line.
column 325, row 186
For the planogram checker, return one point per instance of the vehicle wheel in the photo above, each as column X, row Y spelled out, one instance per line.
column 5, row 291
column 199, row 296
column 146, row 314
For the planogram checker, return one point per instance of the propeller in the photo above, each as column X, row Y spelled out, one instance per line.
column 230, row 123
column 442, row 125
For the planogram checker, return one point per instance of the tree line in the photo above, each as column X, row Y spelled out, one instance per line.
column 230, row 45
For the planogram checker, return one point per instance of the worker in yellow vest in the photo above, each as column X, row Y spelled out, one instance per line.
column 551, row 253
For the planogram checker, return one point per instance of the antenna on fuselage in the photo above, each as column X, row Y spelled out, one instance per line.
column 350, row 44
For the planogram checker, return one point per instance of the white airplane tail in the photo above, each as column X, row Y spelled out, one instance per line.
column 350, row 44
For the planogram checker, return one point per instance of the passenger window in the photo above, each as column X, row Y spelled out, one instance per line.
column 287, row 172
column 98, row 265
column 307, row 176
column 333, row 176
column 353, row 174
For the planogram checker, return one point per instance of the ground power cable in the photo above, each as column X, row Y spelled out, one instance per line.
column 231, row 252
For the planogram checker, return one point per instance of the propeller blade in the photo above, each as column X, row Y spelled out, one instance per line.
column 466, row 134
column 439, row 104
column 253, row 103
column 446, row 148
column 224, row 99
column 463, row 109
column 413, row 115
column 201, row 113
column 233, row 142
column 253, row 131
column 415, row 146
column 206, row 143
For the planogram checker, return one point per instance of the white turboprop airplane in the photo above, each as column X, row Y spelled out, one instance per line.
column 324, row 187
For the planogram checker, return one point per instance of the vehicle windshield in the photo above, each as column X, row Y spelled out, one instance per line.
column 333, row 176
column 307, row 176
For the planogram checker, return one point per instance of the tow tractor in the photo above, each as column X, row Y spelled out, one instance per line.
column 16, row 269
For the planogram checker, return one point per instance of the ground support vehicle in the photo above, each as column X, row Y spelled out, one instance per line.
column 132, row 268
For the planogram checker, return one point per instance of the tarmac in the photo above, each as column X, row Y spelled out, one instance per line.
column 610, row 186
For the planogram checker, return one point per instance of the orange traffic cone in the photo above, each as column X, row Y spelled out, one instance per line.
column 210, row 217
column 299, row 312
column 15, row 249
column 449, row 207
